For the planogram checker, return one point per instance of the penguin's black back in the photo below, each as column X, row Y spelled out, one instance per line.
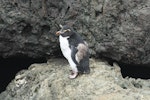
column 75, row 39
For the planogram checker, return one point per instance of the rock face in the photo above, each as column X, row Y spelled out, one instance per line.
column 49, row 81
column 116, row 29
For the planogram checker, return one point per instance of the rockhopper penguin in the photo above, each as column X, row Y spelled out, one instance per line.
column 75, row 50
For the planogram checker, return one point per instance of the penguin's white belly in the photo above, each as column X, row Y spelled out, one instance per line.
column 64, row 45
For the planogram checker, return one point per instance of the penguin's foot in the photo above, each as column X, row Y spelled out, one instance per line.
column 73, row 75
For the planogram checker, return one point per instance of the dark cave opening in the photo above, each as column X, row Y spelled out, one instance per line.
column 135, row 71
column 11, row 66
column 132, row 70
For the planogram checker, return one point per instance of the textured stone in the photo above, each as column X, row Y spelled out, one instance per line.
column 115, row 29
column 50, row 81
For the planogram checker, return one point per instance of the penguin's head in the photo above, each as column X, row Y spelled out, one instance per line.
column 65, row 31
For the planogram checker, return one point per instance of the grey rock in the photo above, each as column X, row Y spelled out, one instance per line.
column 50, row 81
column 116, row 29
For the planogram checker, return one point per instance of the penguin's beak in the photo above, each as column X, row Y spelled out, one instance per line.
column 58, row 33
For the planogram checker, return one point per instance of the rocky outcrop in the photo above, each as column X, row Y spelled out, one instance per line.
column 49, row 81
column 115, row 29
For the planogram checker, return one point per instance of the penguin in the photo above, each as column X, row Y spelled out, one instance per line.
column 75, row 50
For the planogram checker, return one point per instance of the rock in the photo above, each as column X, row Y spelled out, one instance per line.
column 118, row 29
column 49, row 81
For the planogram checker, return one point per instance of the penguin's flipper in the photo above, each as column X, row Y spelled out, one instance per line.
column 73, row 53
